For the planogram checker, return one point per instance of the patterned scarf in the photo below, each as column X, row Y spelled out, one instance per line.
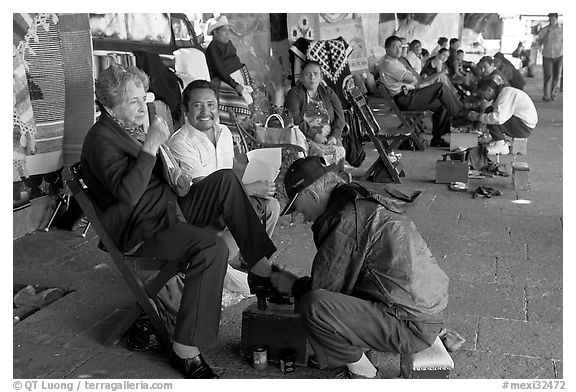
column 137, row 132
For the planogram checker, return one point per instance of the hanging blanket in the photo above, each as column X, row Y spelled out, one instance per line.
column 332, row 55
column 47, row 95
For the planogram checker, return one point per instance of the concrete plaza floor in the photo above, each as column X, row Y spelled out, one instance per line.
column 504, row 259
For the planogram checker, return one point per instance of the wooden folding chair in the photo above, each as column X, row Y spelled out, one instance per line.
column 411, row 122
column 382, row 164
column 129, row 267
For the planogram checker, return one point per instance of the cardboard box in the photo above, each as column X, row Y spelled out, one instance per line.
column 463, row 140
column 277, row 327
column 451, row 171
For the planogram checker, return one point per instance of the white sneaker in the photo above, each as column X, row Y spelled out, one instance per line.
column 498, row 147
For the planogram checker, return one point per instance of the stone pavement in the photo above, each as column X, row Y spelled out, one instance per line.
column 504, row 260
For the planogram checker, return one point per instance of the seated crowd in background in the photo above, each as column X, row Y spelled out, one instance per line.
column 405, row 88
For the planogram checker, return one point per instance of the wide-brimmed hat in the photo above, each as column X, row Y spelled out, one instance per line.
column 301, row 174
column 214, row 23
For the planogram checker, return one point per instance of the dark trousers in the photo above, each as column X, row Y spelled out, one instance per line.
column 439, row 99
column 340, row 327
column 514, row 127
column 204, row 255
column 552, row 71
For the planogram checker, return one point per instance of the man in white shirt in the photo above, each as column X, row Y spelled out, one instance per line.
column 551, row 37
column 202, row 146
column 404, row 86
column 512, row 113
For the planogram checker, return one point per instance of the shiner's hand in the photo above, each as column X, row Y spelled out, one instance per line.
column 283, row 280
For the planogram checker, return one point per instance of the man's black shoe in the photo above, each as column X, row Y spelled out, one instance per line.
column 439, row 143
column 261, row 285
column 192, row 367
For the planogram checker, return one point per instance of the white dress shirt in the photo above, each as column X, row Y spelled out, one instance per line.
column 511, row 102
column 197, row 156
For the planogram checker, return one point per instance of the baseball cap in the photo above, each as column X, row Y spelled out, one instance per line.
column 301, row 174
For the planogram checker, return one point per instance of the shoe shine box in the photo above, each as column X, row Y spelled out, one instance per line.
column 276, row 328
column 448, row 171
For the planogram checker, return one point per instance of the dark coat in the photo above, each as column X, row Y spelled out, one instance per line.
column 132, row 198
column 222, row 60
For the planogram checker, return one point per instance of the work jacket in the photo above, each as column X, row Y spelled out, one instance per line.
column 368, row 248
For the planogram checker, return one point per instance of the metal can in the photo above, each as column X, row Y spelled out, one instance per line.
column 287, row 358
column 259, row 358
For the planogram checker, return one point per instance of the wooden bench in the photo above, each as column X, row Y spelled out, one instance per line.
column 433, row 362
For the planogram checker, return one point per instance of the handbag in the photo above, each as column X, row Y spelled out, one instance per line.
column 178, row 180
column 282, row 135
column 352, row 141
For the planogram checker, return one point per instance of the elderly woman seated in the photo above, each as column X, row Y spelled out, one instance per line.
column 318, row 113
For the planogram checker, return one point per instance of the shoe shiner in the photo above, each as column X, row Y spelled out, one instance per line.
column 374, row 282
column 512, row 113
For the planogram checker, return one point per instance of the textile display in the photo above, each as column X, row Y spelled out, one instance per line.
column 47, row 94
column 24, row 130
column 79, row 113
column 230, row 100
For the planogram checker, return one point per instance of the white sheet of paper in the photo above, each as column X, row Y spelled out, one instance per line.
column 263, row 165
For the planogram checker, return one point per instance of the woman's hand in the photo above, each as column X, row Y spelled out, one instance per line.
column 318, row 138
column 331, row 141
column 158, row 133
column 239, row 88
column 264, row 189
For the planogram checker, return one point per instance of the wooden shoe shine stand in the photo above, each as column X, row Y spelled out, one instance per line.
column 520, row 170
